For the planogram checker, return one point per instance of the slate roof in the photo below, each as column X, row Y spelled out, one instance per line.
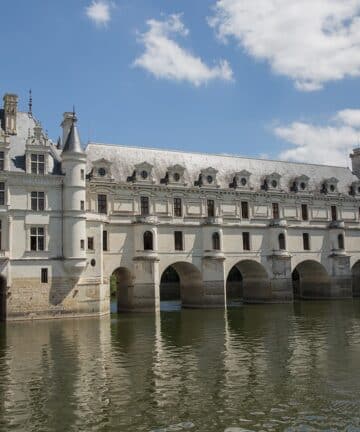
column 124, row 159
column 24, row 123
column 73, row 143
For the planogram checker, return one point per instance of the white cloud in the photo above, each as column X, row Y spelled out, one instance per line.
column 165, row 58
column 99, row 12
column 310, row 41
column 329, row 144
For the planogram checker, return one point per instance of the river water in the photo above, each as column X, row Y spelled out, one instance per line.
column 255, row 368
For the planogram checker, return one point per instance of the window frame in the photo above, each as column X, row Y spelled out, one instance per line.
column 2, row 160
column 282, row 241
column 144, row 205
column 102, row 204
column 148, row 240
column 44, row 275
column 178, row 240
column 210, row 205
column 304, row 212
column 90, row 243
column 177, row 207
column 216, row 241
column 37, row 238
column 306, row 241
column 246, row 241
column 275, row 210
column 105, row 241
column 2, row 193
column 244, row 210
column 37, row 166
column 37, row 201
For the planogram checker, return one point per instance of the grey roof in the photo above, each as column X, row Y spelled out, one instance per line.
column 124, row 159
column 73, row 143
column 25, row 123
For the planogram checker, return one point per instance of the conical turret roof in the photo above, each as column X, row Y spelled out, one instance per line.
column 73, row 143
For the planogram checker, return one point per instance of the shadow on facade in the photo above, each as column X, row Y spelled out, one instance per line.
column 355, row 271
column 124, row 283
column 2, row 298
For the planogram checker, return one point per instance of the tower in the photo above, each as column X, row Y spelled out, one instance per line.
column 355, row 161
column 74, row 196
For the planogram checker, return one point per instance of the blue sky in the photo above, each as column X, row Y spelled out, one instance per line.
column 271, row 78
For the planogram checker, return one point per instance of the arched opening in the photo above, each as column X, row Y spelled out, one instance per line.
column 356, row 279
column 148, row 240
column 180, row 286
column 121, row 285
column 247, row 282
column 282, row 243
column 2, row 298
column 216, row 241
column 311, row 281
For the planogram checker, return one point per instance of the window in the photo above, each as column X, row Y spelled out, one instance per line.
column 2, row 161
column 244, row 209
column 282, row 244
column 178, row 237
column 275, row 211
column 2, row 193
column 246, row 240
column 105, row 240
column 333, row 213
column 177, row 207
column 82, row 205
column 102, row 204
column 148, row 240
column 90, row 243
column 1, row 243
column 37, row 201
column 82, row 244
column 44, row 275
column 211, row 208
column 341, row 241
column 144, row 206
column 82, row 174
column 306, row 241
column 37, row 164
column 216, row 241
column 304, row 212
column 37, row 238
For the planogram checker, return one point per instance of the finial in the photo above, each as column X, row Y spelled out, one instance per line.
column 74, row 118
column 30, row 102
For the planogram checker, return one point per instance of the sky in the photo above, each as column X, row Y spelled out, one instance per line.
column 276, row 79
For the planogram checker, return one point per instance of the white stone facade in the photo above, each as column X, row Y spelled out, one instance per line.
column 70, row 218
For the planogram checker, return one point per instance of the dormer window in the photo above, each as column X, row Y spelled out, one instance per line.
column 102, row 172
column 330, row 186
column 102, row 169
column 37, row 164
column 300, row 184
column 241, row 180
column 142, row 173
column 2, row 161
column 175, row 175
column 208, row 177
column 272, row 182
column 355, row 188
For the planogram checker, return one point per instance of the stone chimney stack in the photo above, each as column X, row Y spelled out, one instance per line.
column 10, row 110
column 68, row 120
column 355, row 160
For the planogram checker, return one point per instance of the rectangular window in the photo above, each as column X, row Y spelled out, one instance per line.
column 2, row 161
column 275, row 211
column 102, row 204
column 37, row 164
column 211, row 208
column 177, row 207
column 246, row 241
column 90, row 243
column 82, row 244
column 2, row 193
column 144, row 206
column 333, row 213
column 44, row 275
column 37, row 238
column 244, row 210
column 82, row 205
column 304, row 212
column 82, row 174
column 1, row 243
column 105, row 240
column 306, row 241
column 37, row 201
column 178, row 237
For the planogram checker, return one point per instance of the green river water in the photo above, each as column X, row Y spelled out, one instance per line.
column 255, row 368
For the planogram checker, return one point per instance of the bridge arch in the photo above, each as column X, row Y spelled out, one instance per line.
column 3, row 286
column 249, row 282
column 182, row 281
column 355, row 272
column 123, row 280
column 311, row 281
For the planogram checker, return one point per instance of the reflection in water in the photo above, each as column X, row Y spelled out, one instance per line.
column 275, row 367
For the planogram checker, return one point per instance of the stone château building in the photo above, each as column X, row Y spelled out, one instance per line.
column 213, row 227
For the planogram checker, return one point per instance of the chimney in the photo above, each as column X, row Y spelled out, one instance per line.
column 10, row 111
column 66, row 124
column 355, row 161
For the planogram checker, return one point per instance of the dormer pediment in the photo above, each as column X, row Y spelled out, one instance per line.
column 143, row 172
column 241, row 180
column 175, row 175
column 300, row 184
column 208, row 177
column 102, row 169
column 272, row 182
column 329, row 186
